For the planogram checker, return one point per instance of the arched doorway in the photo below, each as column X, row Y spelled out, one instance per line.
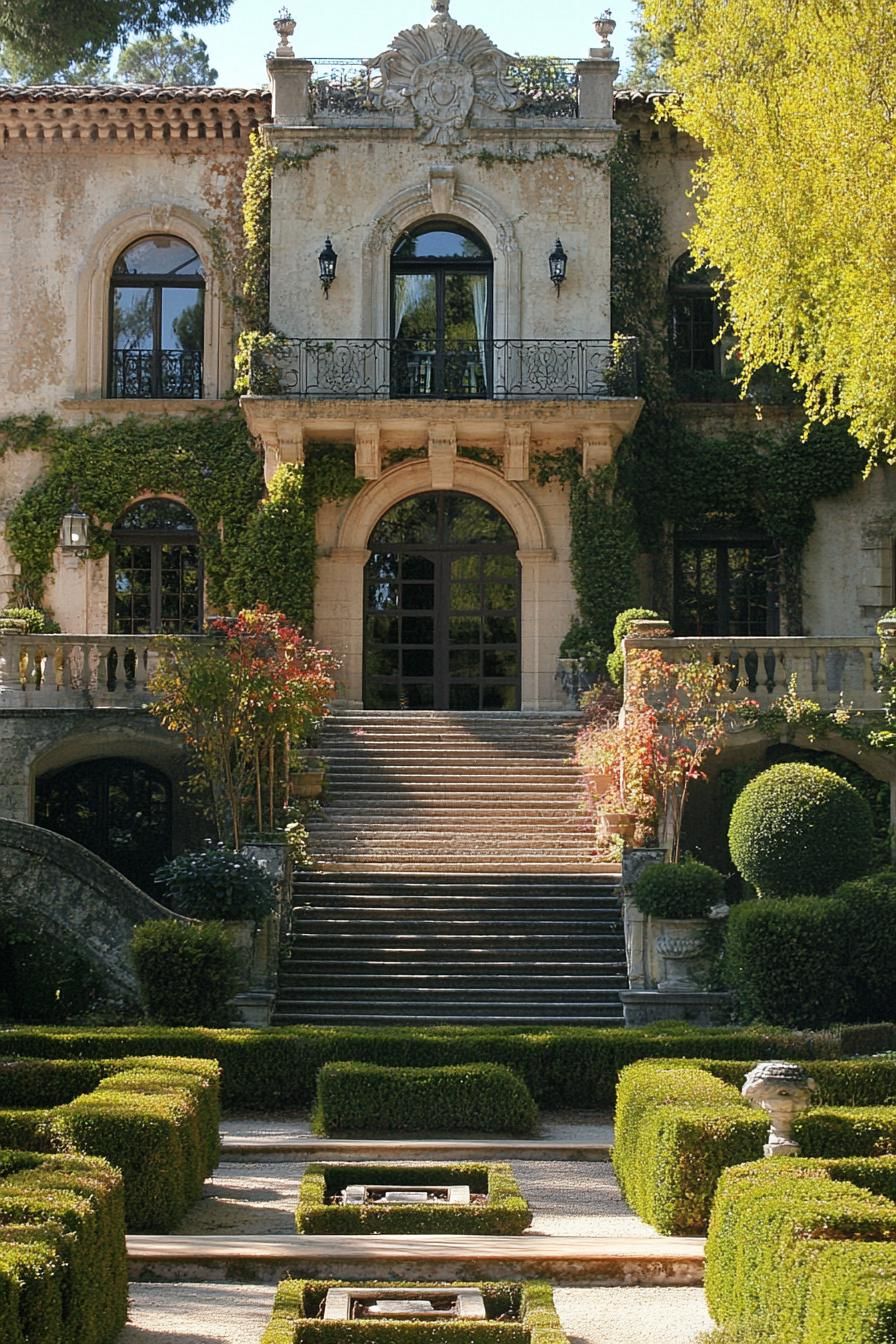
column 442, row 607
column 441, row 313
column 117, row 807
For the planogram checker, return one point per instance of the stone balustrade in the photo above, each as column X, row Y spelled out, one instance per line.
column 71, row 671
column 830, row 670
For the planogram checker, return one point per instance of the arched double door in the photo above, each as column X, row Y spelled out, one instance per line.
column 442, row 607
column 117, row 807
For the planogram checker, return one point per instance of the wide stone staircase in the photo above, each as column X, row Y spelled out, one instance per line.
column 453, row 880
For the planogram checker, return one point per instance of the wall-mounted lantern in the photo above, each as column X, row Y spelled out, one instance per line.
column 327, row 260
column 73, row 532
column 557, row 264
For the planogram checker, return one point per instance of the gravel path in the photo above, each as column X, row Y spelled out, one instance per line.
column 567, row 1199
column 200, row 1313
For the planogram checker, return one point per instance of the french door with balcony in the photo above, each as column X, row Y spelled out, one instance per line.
column 441, row 314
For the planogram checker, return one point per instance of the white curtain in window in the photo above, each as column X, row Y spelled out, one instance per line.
column 479, row 288
column 410, row 291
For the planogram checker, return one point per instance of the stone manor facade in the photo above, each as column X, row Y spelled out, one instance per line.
column 465, row 339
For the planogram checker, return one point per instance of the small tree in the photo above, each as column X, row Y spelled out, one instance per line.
column 675, row 716
column 239, row 699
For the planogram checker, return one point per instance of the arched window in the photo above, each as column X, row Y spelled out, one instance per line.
column 441, row 313
column 156, row 571
column 116, row 807
column 156, row 320
column 695, row 355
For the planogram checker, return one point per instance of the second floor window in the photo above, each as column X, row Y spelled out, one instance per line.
column 441, row 313
column 156, row 320
column 725, row 585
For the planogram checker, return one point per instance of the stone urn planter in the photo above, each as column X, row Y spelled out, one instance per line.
column 306, row 784
column 620, row 823
column 680, row 946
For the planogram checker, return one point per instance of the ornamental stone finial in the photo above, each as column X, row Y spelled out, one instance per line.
column 605, row 27
column 440, row 14
column 783, row 1090
column 285, row 25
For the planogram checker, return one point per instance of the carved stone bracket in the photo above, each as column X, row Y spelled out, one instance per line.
column 442, row 455
column 367, row 450
column 597, row 446
column 516, row 452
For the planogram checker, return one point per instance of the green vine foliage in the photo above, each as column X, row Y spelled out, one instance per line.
column 275, row 563
column 674, row 476
column 207, row 460
column 253, row 304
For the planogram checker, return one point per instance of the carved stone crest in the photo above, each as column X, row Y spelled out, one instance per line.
column 441, row 71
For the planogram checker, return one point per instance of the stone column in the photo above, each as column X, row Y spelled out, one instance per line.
column 596, row 76
column 290, row 90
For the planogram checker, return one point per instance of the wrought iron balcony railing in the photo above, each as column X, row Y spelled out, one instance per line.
column 156, row 373
column 508, row 370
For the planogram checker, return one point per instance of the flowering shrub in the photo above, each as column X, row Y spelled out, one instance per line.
column 217, row 883
column 643, row 762
column 239, row 699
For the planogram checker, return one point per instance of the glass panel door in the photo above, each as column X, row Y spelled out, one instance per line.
column 442, row 619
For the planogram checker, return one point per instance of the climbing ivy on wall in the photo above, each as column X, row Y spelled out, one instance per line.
column 205, row 459
column 673, row 475
column 275, row 562
column 253, row 302
column 255, row 547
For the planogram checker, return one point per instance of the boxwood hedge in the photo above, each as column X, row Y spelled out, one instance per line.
column 561, row 1066
column 800, row 1252
column 154, row 1117
column 356, row 1098
column 157, row 1121
column 505, row 1214
column 63, row 1267
column 516, row 1314
column 681, row 1123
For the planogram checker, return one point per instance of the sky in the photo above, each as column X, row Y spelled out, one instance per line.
column 237, row 49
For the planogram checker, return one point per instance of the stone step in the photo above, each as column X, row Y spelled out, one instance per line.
column 429, row 1258
column 361, row 1015
column 293, row 985
column 284, row 1148
column 428, row 865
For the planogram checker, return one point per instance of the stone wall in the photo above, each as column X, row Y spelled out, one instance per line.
column 75, row 899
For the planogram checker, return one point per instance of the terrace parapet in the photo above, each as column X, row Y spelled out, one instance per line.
column 76, row 671
column 832, row 670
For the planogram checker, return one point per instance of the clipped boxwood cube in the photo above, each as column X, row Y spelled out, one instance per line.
column 505, row 1212
column 515, row 1314
column 459, row 1098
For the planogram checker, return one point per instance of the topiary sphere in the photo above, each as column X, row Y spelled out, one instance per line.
column 797, row 829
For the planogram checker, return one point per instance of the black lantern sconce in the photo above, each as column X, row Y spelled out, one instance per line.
column 327, row 260
column 557, row 265
column 73, row 532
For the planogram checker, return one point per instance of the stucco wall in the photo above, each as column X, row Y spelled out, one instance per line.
column 848, row 573
column 519, row 207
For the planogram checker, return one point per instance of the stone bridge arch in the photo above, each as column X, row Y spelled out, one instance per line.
column 78, row 898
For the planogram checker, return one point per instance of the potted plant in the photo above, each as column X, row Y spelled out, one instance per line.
column 306, row 777
column 679, row 897
column 221, row 884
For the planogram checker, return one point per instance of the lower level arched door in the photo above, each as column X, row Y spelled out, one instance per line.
column 442, row 607
column 116, row 807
